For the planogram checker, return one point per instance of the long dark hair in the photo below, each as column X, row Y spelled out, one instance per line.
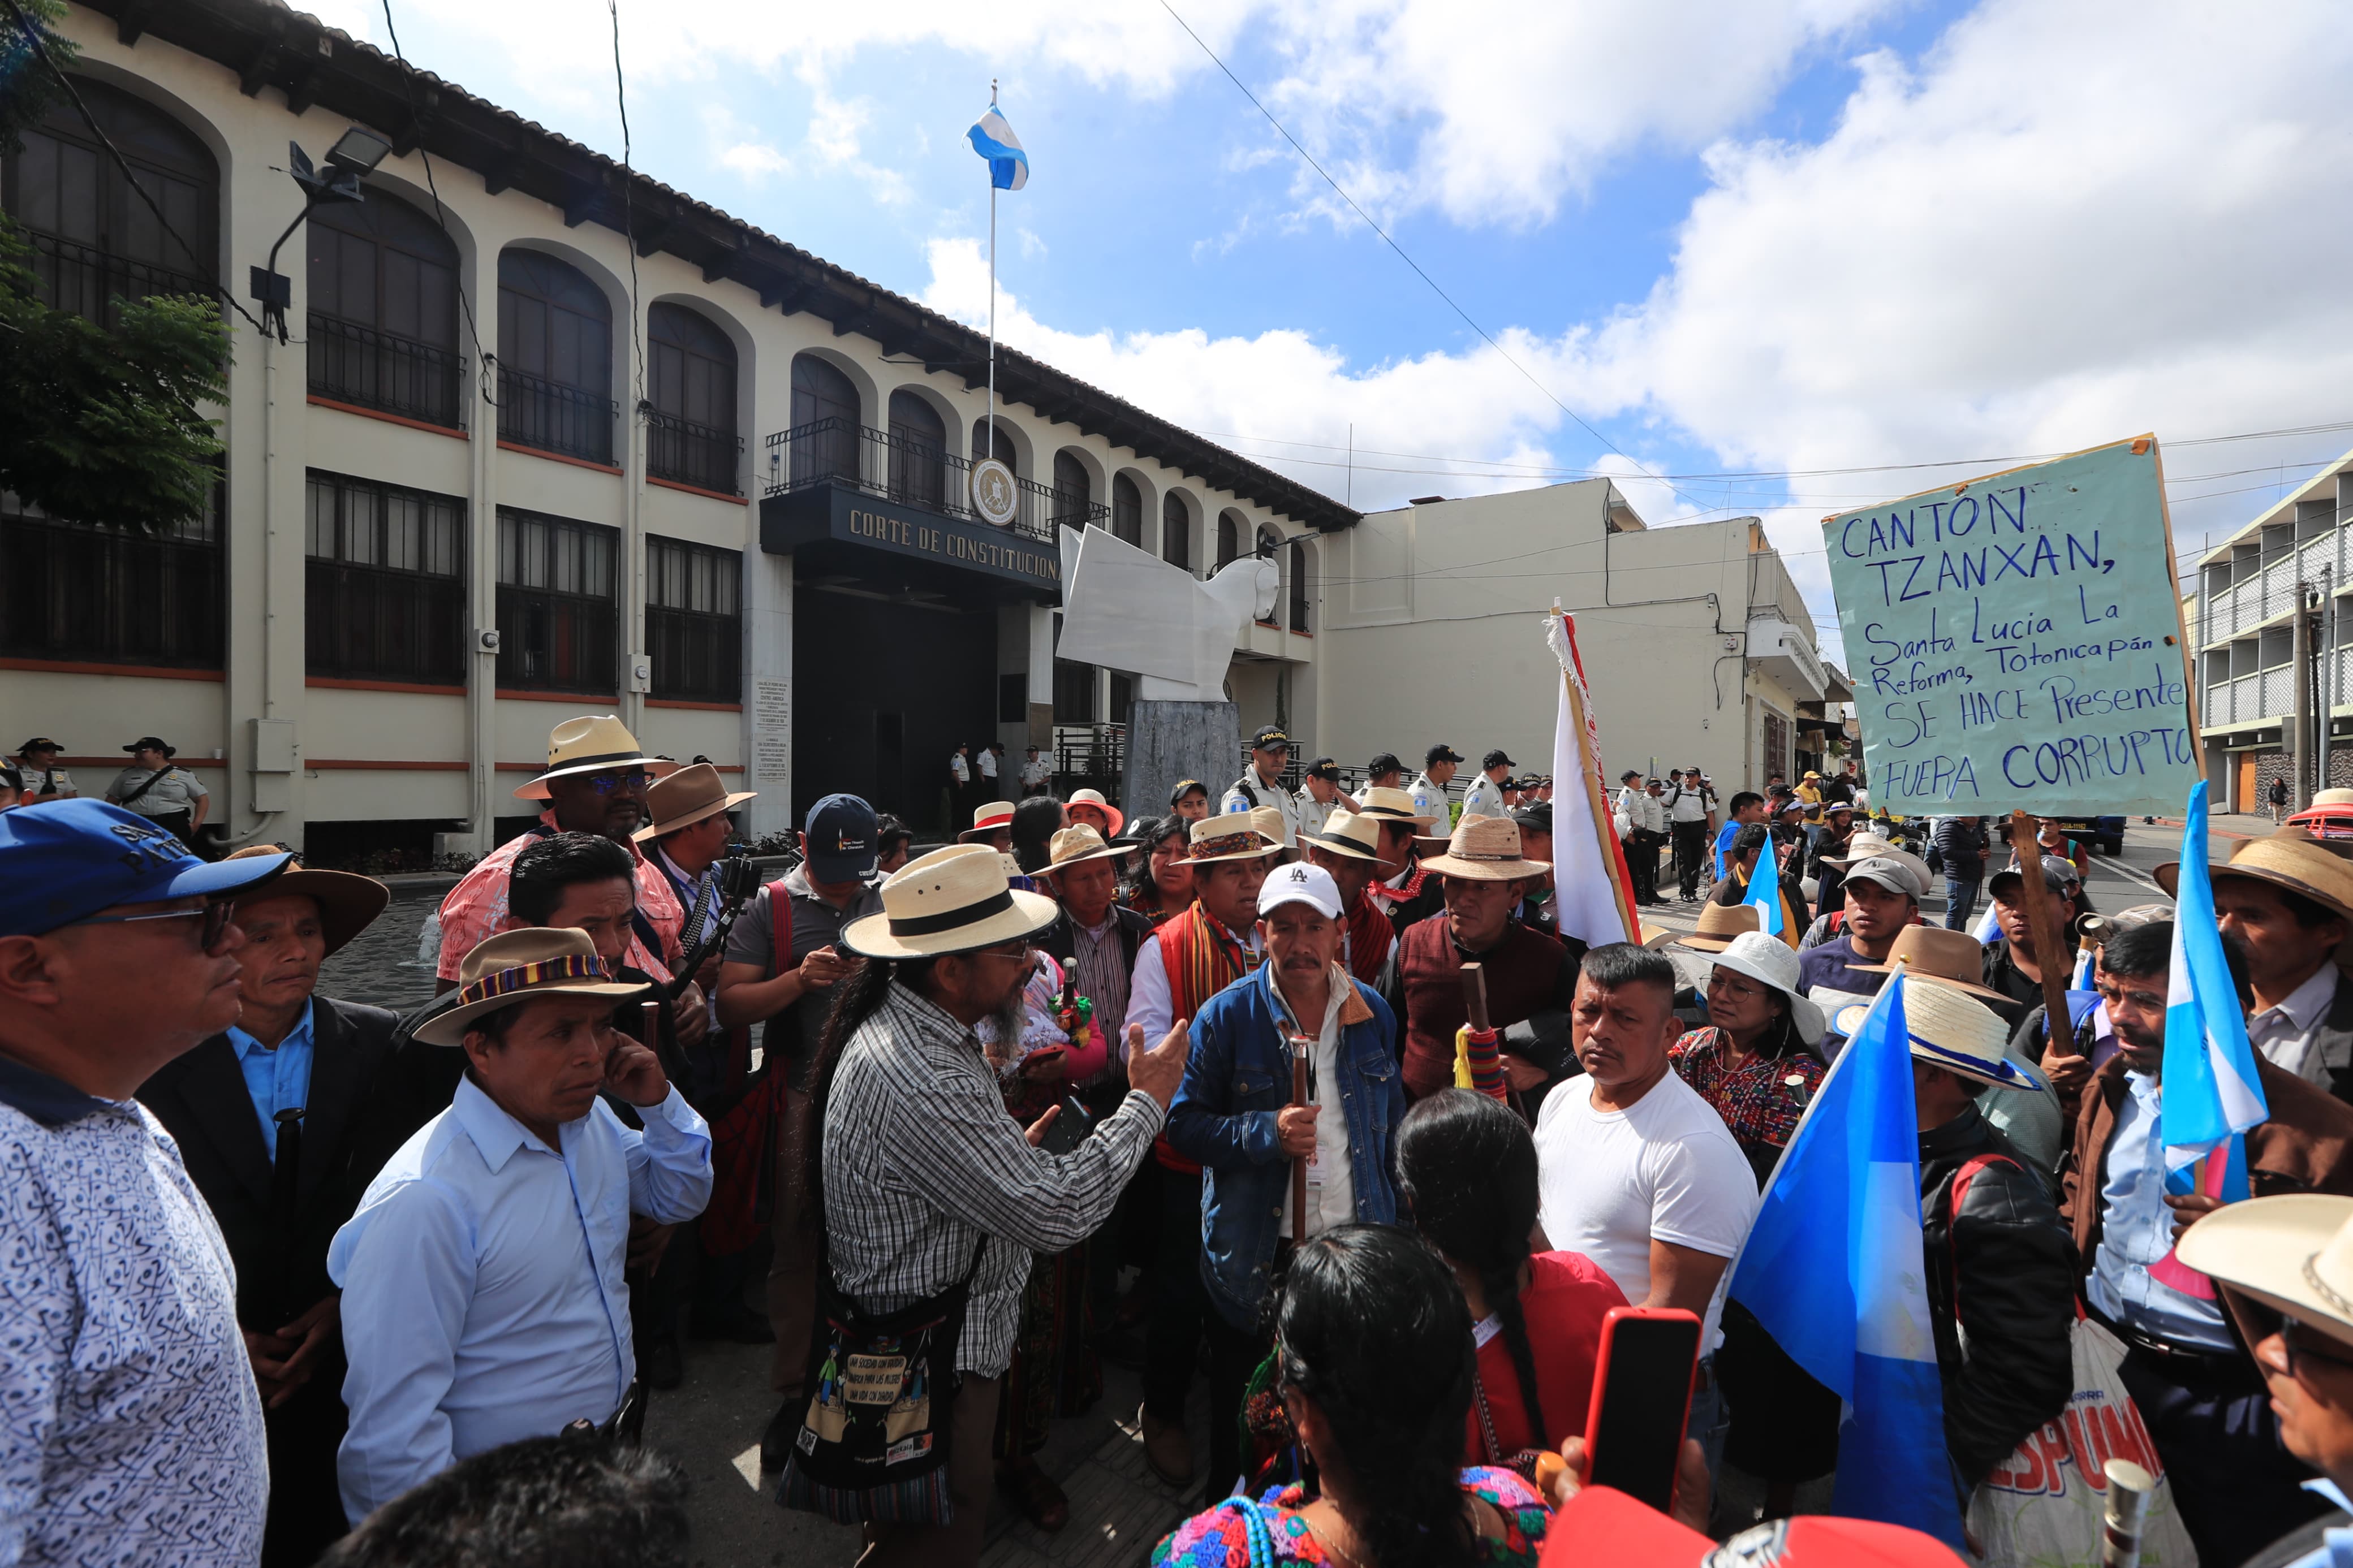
column 1370, row 1326
column 1137, row 890
column 855, row 1000
column 1467, row 1171
column 1035, row 821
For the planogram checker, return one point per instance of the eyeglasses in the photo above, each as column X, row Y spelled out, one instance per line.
column 218, row 916
column 1021, row 949
column 2304, row 1343
column 634, row 781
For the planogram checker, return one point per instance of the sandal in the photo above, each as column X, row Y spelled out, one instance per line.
column 1033, row 1491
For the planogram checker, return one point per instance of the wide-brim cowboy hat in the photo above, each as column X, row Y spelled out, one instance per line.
column 1094, row 797
column 1229, row 836
column 1486, row 849
column 1718, row 925
column 693, row 793
column 1070, row 845
column 951, row 900
column 1773, row 963
column 1953, row 1031
column 518, row 966
column 988, row 821
column 2292, row 859
column 1932, row 952
column 348, row 902
column 592, row 743
column 1866, row 845
column 2293, row 1253
column 1348, row 834
column 1390, row 805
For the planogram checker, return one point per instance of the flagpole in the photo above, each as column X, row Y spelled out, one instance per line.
column 991, row 451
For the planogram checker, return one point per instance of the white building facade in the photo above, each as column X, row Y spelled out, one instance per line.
column 514, row 467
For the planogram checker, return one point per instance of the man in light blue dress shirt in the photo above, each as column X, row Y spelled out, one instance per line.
column 483, row 1299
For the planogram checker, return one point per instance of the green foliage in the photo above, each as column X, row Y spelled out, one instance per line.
column 26, row 87
column 105, row 426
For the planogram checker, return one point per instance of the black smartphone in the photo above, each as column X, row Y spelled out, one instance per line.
column 1068, row 1131
column 1634, row 1430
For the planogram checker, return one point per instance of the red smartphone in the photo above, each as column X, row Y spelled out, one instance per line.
column 1641, row 1396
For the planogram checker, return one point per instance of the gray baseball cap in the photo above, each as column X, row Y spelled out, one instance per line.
column 1888, row 872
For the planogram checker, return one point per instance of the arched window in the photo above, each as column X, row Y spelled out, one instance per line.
column 1073, row 491
column 919, row 443
column 823, row 440
column 92, row 239
column 1176, row 532
column 1127, row 510
column 555, row 358
column 383, row 324
column 691, row 436
column 1230, row 539
column 1269, row 544
column 1000, row 449
column 1303, row 588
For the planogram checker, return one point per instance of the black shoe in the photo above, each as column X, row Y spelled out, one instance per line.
column 744, row 1328
column 777, row 1441
column 664, row 1368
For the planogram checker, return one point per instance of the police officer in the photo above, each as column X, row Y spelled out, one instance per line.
column 1428, row 789
column 1319, row 797
column 1486, row 796
column 168, row 796
column 1261, row 782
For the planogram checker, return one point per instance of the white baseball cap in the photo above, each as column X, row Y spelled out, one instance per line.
column 1299, row 883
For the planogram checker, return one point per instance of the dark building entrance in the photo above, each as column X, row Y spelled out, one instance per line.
column 885, row 691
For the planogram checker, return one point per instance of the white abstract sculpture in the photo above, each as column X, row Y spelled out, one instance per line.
column 1126, row 609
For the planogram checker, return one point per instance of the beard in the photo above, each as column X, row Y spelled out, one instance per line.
column 1000, row 1032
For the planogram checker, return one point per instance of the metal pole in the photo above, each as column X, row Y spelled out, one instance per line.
column 992, row 292
column 2299, row 722
column 2328, row 700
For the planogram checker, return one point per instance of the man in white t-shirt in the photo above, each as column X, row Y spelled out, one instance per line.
column 1635, row 1169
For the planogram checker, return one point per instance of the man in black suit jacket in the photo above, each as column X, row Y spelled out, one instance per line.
column 274, row 1119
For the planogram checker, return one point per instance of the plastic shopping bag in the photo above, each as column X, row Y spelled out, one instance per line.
column 2042, row 1508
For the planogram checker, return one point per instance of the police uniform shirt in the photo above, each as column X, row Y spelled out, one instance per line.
column 956, row 766
column 1430, row 800
column 1485, row 799
column 1250, row 792
column 1034, row 771
column 987, row 761
column 1314, row 813
column 177, row 792
column 50, row 781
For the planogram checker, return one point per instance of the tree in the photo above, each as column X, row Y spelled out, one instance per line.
column 101, row 426
column 26, row 85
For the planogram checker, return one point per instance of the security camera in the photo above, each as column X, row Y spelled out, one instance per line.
column 487, row 639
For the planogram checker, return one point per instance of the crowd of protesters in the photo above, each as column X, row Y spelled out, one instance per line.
column 297, row 1279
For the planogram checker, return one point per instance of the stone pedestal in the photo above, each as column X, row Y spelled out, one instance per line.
column 1171, row 741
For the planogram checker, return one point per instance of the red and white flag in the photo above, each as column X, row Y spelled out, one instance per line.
column 1591, row 892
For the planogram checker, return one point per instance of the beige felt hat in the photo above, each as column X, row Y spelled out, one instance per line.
column 592, row 745
column 1718, row 925
column 1487, row 850
column 1932, row 952
column 2292, row 859
column 518, row 966
column 1396, row 805
column 1229, row 836
column 1347, row 834
column 950, row 900
column 1071, row 845
column 692, row 795
column 2293, row 1253
column 348, row 902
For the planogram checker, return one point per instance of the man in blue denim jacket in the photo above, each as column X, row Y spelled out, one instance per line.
column 1233, row 1113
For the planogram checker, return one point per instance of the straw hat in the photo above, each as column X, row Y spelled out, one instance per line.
column 690, row 795
column 1718, row 925
column 517, row 967
column 348, row 902
column 592, row 745
column 1347, row 834
column 950, row 900
column 1865, row 845
column 1395, row 805
column 2290, row 859
column 1946, row 957
column 1229, row 836
column 1951, row 1031
column 1770, row 961
column 2332, row 798
column 1268, row 820
column 995, row 817
column 1487, row 850
column 2293, row 1253
column 1071, row 845
column 1094, row 797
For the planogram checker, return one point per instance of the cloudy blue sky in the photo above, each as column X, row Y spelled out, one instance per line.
column 1811, row 242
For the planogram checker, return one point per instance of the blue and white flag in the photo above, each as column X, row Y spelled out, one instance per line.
column 1989, row 926
column 1765, row 890
column 2211, row 1092
column 1832, row 1268
column 1008, row 165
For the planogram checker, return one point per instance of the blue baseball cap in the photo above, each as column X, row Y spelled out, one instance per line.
column 842, row 842
column 64, row 859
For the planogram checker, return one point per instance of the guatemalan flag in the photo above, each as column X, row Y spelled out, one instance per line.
column 2212, row 1093
column 1832, row 1270
column 1008, row 165
column 1765, row 888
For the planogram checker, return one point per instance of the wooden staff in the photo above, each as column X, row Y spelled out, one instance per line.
column 1475, row 996
column 1300, row 1047
column 2050, row 946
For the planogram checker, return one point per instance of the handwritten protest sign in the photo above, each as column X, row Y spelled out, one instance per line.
column 2016, row 641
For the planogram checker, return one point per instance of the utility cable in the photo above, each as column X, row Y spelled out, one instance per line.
column 629, row 218
column 484, row 363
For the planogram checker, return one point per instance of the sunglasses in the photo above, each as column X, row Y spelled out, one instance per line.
column 634, row 781
column 218, row 916
column 2302, row 1343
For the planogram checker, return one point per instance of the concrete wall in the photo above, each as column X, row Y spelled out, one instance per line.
column 456, row 754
